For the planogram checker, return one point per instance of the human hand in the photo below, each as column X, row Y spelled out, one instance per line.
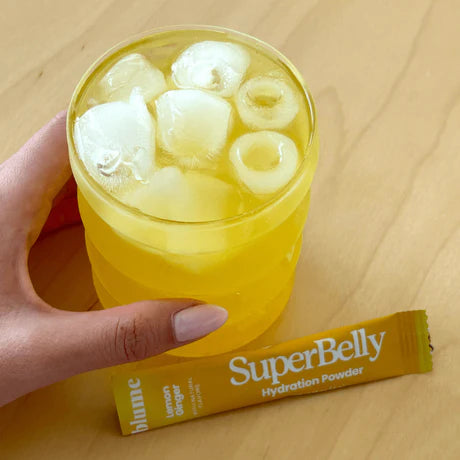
column 39, row 344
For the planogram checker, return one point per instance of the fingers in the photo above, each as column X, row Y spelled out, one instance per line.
column 51, row 345
column 31, row 178
column 92, row 340
column 65, row 209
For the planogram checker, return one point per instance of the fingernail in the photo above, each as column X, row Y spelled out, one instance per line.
column 195, row 322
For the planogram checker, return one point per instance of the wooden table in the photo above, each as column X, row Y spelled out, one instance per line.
column 383, row 234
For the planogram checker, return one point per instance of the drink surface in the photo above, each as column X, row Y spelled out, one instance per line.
column 194, row 151
column 192, row 127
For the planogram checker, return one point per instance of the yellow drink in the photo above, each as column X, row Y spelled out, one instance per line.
column 242, row 257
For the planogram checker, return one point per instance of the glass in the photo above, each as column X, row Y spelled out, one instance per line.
column 244, row 263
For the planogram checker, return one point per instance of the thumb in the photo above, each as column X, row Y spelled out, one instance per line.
column 92, row 340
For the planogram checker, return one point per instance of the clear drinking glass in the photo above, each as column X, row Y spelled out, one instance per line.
column 244, row 263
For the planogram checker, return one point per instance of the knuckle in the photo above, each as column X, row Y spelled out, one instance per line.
column 134, row 338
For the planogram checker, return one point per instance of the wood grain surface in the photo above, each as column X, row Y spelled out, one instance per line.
column 383, row 234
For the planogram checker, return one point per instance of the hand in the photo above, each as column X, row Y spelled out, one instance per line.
column 39, row 344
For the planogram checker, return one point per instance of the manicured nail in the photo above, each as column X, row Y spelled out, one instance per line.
column 195, row 322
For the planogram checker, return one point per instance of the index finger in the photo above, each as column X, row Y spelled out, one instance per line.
column 31, row 178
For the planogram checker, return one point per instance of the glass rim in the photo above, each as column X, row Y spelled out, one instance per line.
column 276, row 198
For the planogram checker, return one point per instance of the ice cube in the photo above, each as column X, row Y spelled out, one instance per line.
column 213, row 66
column 187, row 197
column 130, row 71
column 264, row 161
column 116, row 141
column 266, row 103
column 192, row 125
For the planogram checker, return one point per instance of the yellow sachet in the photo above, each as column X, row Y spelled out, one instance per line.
column 372, row 350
